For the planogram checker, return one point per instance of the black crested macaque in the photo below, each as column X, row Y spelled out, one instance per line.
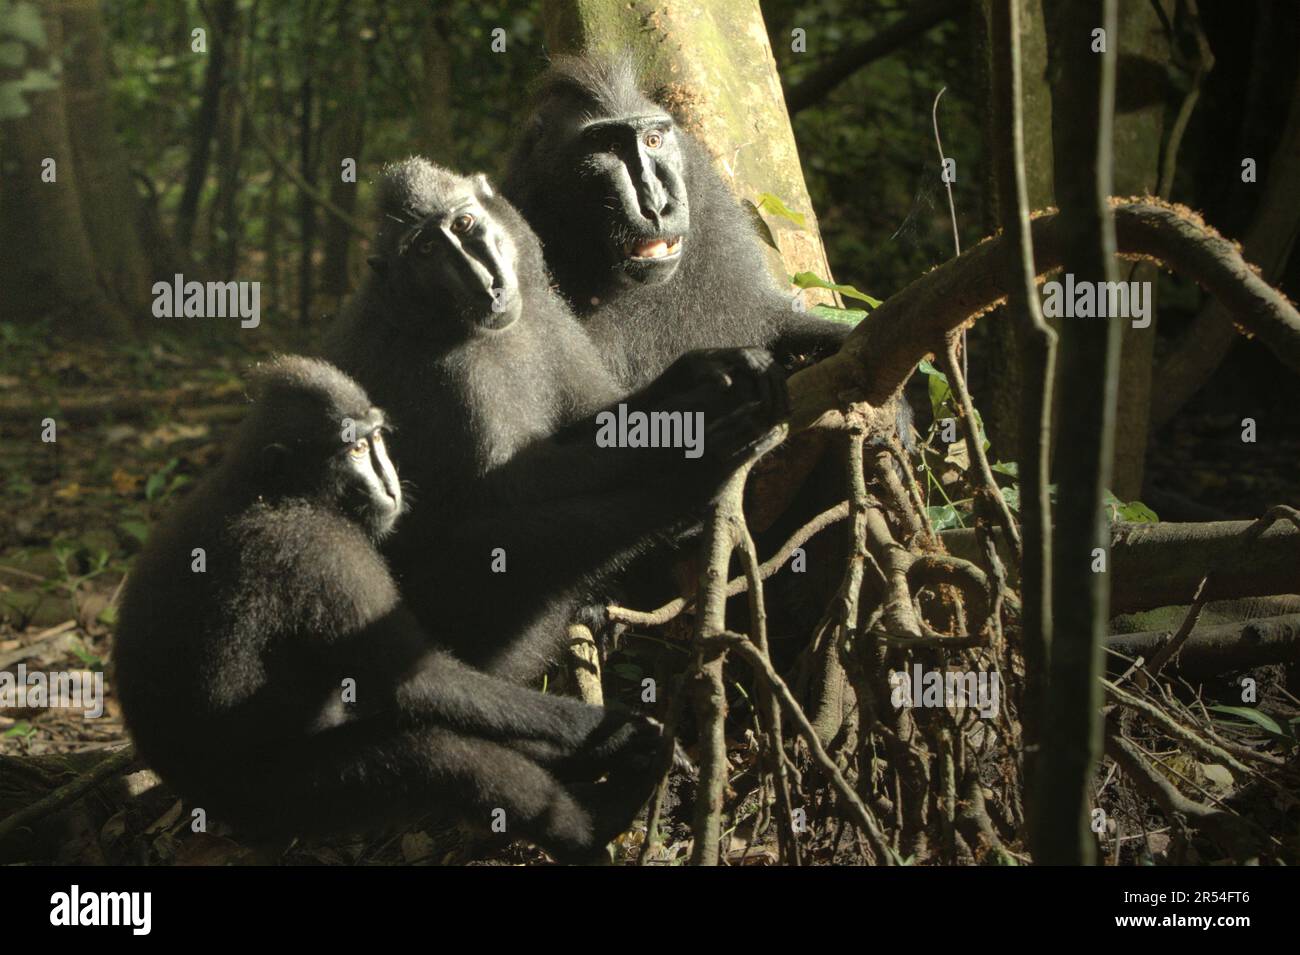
column 495, row 390
column 656, row 254
column 268, row 671
column 644, row 238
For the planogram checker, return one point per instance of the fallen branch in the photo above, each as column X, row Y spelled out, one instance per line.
column 91, row 408
column 1175, row 729
column 882, row 351
column 28, row 647
column 1231, row 831
column 1218, row 649
column 68, row 793
column 1159, row 565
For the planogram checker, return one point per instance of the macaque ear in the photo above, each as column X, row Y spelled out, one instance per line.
column 379, row 264
column 483, row 186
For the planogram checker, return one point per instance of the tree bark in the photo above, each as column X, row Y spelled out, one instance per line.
column 999, row 358
column 346, row 141
column 205, row 122
column 1083, row 114
column 1219, row 649
column 1036, row 360
column 306, row 158
column 110, row 205
column 274, row 204
column 1143, row 56
column 1160, row 565
column 435, row 121
column 50, row 269
column 884, row 348
column 1268, row 245
column 1143, row 59
column 223, row 222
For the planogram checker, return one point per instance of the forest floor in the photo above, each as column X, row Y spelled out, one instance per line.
column 134, row 426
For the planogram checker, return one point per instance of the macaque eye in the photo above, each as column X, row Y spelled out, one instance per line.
column 654, row 140
column 462, row 223
column 360, row 449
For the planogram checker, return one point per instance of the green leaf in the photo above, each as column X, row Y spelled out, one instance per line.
column 1138, row 513
column 941, row 403
column 20, row 730
column 849, row 316
column 12, row 104
column 64, row 551
column 937, row 387
column 87, row 658
column 1259, row 718
column 137, row 529
column 1133, row 511
column 153, row 487
column 811, row 280
column 22, row 21
column 944, row 518
column 38, row 81
column 158, row 480
column 1009, row 468
column 770, row 203
column 1012, row 496
column 979, row 429
column 12, row 55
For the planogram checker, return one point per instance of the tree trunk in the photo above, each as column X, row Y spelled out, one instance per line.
column 346, row 141
column 205, row 123
column 709, row 63
column 1144, row 57
column 224, row 225
column 1139, row 123
column 999, row 355
column 274, row 208
column 50, row 269
column 1088, row 361
column 110, row 205
column 1269, row 241
column 306, row 157
column 435, row 125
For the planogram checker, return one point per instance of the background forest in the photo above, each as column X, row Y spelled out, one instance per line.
column 223, row 157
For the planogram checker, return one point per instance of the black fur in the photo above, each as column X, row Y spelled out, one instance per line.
column 231, row 680
column 577, row 199
column 586, row 202
column 495, row 411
